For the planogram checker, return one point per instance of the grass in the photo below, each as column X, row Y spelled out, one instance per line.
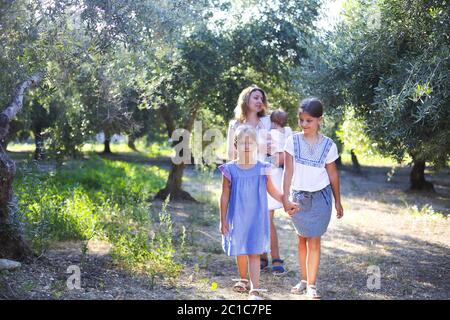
column 21, row 147
column 153, row 150
column 374, row 160
column 102, row 199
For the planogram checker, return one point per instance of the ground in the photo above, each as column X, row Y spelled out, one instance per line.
column 384, row 228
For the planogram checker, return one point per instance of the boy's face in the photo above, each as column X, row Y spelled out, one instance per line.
column 308, row 123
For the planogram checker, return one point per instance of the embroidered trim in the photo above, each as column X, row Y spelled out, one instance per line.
column 315, row 160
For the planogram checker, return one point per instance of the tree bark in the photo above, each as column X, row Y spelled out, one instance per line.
column 174, row 182
column 131, row 143
column 107, row 144
column 12, row 243
column 417, row 177
column 355, row 162
column 39, row 143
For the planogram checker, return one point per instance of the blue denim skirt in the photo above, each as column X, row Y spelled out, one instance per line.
column 315, row 212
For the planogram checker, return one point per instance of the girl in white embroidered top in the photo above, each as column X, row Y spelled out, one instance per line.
column 309, row 165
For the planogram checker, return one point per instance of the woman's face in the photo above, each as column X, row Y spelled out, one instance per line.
column 255, row 102
column 308, row 123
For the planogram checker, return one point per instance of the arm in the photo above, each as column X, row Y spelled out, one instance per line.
column 224, row 199
column 231, row 149
column 264, row 142
column 287, row 178
column 273, row 191
column 280, row 159
column 277, row 195
column 289, row 207
column 335, row 186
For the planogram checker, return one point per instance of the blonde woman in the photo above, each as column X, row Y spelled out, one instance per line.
column 251, row 109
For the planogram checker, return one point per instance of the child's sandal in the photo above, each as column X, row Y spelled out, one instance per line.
column 312, row 293
column 299, row 288
column 256, row 294
column 241, row 285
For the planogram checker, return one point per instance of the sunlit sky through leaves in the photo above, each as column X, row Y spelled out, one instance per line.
column 328, row 14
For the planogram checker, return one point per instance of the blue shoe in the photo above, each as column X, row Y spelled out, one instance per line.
column 278, row 270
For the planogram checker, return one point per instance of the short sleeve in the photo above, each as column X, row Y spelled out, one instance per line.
column 289, row 146
column 332, row 154
column 266, row 169
column 225, row 169
column 287, row 132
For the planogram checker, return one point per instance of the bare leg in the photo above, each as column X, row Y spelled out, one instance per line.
column 274, row 250
column 242, row 264
column 302, row 252
column 254, row 270
column 313, row 259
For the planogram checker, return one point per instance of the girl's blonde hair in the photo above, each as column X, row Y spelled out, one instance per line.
column 240, row 112
column 245, row 130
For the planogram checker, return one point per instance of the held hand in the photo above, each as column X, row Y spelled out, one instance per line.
column 277, row 160
column 339, row 210
column 291, row 208
column 224, row 228
column 294, row 208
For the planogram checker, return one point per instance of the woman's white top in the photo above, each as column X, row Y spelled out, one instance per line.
column 309, row 165
column 279, row 139
column 262, row 130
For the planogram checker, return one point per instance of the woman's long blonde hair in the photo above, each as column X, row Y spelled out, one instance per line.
column 240, row 112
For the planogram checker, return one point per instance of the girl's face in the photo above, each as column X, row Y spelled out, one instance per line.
column 246, row 144
column 255, row 102
column 308, row 123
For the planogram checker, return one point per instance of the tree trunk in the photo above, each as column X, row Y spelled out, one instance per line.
column 173, row 185
column 174, row 182
column 4, row 144
column 12, row 243
column 107, row 144
column 355, row 162
column 39, row 143
column 14, row 127
column 131, row 143
column 417, row 177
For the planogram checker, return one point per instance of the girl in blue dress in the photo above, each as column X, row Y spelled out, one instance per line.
column 244, row 213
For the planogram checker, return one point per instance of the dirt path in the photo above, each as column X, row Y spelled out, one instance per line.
column 381, row 228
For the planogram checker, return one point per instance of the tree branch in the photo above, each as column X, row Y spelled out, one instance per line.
column 16, row 103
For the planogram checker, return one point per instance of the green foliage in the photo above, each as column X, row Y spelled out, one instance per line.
column 154, row 255
column 393, row 68
column 101, row 199
column 352, row 133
